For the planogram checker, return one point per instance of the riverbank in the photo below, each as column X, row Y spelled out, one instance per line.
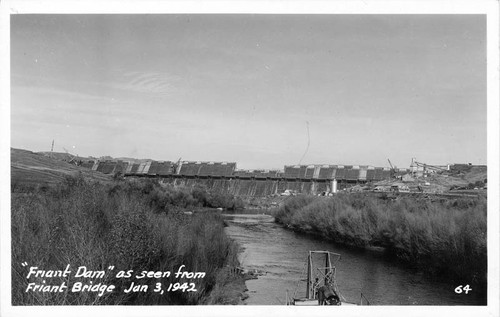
column 230, row 288
column 445, row 238
column 129, row 225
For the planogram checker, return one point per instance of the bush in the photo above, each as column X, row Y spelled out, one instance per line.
column 445, row 237
column 129, row 225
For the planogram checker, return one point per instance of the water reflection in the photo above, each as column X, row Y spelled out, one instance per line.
column 280, row 254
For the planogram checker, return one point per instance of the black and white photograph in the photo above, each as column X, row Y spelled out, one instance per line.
column 258, row 159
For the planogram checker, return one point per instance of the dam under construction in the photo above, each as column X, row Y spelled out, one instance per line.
column 226, row 178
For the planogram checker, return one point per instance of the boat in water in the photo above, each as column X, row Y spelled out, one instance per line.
column 321, row 285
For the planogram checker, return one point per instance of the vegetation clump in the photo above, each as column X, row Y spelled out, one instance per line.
column 445, row 237
column 132, row 225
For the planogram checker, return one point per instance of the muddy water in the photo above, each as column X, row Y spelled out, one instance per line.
column 280, row 256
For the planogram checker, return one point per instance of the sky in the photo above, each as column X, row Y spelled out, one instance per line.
column 261, row 90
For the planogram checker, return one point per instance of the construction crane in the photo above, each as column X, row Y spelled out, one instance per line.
column 72, row 157
column 390, row 164
column 426, row 167
column 393, row 168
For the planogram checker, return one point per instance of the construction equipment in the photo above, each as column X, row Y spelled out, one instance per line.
column 427, row 168
column 321, row 283
column 390, row 164
column 393, row 169
column 72, row 157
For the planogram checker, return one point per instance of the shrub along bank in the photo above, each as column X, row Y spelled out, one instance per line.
column 131, row 225
column 446, row 237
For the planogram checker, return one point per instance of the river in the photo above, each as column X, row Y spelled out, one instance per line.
column 280, row 255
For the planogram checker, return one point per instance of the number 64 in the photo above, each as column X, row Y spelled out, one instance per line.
column 465, row 289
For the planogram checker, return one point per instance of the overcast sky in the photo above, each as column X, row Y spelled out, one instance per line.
column 247, row 88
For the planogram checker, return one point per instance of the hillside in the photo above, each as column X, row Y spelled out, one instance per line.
column 64, row 156
column 444, row 181
column 29, row 168
column 67, row 157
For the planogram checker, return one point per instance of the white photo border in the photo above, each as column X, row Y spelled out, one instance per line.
column 489, row 8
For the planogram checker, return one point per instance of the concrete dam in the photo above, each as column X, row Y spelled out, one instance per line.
column 252, row 187
column 223, row 177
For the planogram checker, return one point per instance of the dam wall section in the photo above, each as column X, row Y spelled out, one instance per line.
column 224, row 177
column 252, row 187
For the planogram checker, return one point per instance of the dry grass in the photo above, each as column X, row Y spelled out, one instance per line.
column 125, row 225
column 34, row 170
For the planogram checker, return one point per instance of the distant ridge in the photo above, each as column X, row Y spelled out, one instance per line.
column 66, row 157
